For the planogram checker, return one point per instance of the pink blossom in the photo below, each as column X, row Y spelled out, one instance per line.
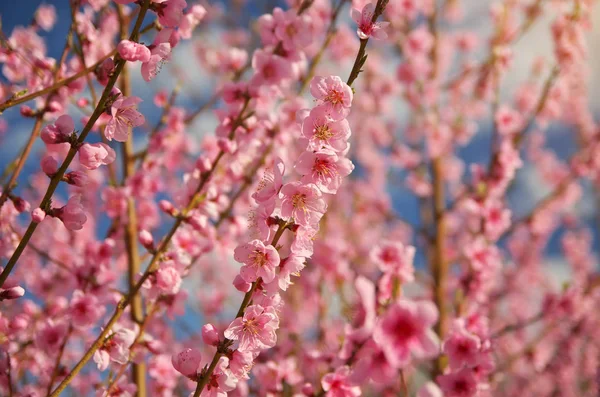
column 124, row 116
column 72, row 215
column 50, row 337
column 241, row 363
column 458, row 384
column 38, row 215
column 49, row 165
column 11, row 293
column 272, row 181
column 395, row 258
column 303, row 202
column 77, row 178
column 508, row 121
column 159, row 54
column 405, row 330
column 190, row 20
column 334, row 94
column 115, row 347
column 187, row 362
column 461, row 347
column 366, row 27
column 323, row 168
column 170, row 12
column 321, row 131
column 94, row 155
column 210, row 335
column 255, row 330
column 168, row 280
column 85, row 309
column 45, row 16
column 259, row 261
column 270, row 69
column 58, row 132
column 294, row 31
column 221, row 380
column 338, row 384
column 132, row 51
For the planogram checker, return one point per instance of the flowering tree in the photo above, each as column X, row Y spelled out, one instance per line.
column 258, row 242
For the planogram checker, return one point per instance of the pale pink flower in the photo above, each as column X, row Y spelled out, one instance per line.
column 508, row 120
column 115, row 347
column 335, row 95
column 482, row 255
column 294, row 31
column 395, row 258
column 58, row 132
column 321, row 131
column 38, row 215
column 124, row 116
column 418, row 43
column 290, row 266
column 187, row 362
column 241, row 363
column 170, row 12
column 221, row 381
column 45, row 16
column 259, row 261
column 323, row 168
column 255, row 330
column 405, row 331
column 303, row 202
column 190, row 20
column 85, row 309
column 461, row 346
column 338, row 384
column 168, row 280
column 497, row 218
column 94, row 155
column 132, row 51
column 50, row 336
column 159, row 54
column 270, row 69
column 366, row 27
column 272, row 180
column 458, row 384
column 72, row 215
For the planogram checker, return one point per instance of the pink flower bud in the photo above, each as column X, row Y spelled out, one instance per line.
column 132, row 52
column 38, row 215
column 72, row 214
column 210, row 335
column 103, row 71
column 241, row 285
column 92, row 156
column 20, row 204
column 49, row 165
column 58, row 132
column 26, row 111
column 308, row 389
column 146, row 239
column 187, row 362
column 166, row 207
column 77, row 178
column 11, row 293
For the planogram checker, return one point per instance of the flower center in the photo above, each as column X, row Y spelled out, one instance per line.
column 299, row 200
column 335, row 97
column 323, row 168
column 258, row 258
column 323, row 132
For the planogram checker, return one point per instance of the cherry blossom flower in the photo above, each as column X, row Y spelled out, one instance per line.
column 323, row 168
column 303, row 202
column 85, row 309
column 259, row 261
column 405, row 331
column 458, row 384
column 124, row 116
column 255, row 330
column 72, row 214
column 334, row 95
column 187, row 362
column 94, row 155
column 321, row 131
column 366, row 27
column 394, row 257
column 58, row 132
column 132, row 51
column 337, row 384
column 221, row 380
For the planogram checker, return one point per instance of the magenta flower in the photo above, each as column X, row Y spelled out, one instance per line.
column 338, row 384
column 93, row 155
column 324, row 168
column 335, row 95
column 259, row 261
column 72, row 215
column 322, row 131
column 303, row 202
column 459, row 384
column 366, row 27
column 187, row 362
column 58, row 132
column 124, row 116
column 85, row 309
column 255, row 330
column 405, row 330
